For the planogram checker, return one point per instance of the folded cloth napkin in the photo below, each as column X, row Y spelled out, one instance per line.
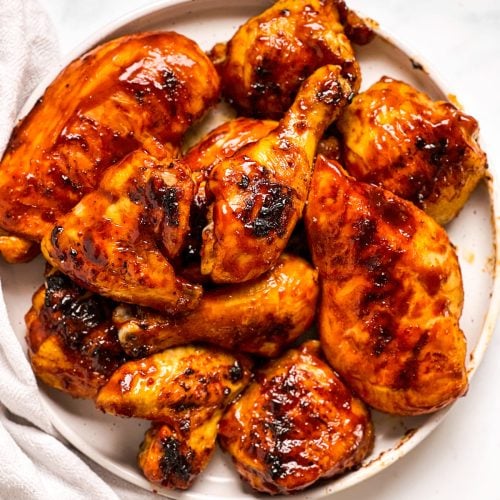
column 35, row 463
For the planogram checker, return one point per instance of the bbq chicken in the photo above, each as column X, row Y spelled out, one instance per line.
column 186, row 382
column 116, row 241
column 223, row 141
column 173, row 455
column 260, row 317
column 268, row 58
column 259, row 193
column 184, row 391
column 296, row 423
column 220, row 144
column 73, row 345
column 391, row 295
column 427, row 152
column 140, row 91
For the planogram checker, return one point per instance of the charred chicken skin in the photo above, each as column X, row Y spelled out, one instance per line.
column 173, row 455
column 184, row 391
column 259, row 317
column 268, row 58
column 220, row 144
column 138, row 91
column 259, row 192
column 73, row 344
column 296, row 423
column 391, row 295
column 427, row 152
column 116, row 240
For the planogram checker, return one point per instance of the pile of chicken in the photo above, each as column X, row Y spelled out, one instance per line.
column 172, row 277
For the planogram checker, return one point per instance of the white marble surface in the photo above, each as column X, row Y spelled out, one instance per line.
column 461, row 39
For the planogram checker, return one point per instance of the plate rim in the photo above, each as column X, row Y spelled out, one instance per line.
column 385, row 459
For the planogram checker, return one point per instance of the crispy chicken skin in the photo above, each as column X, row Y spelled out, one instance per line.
column 268, row 58
column 259, row 317
column 187, row 383
column 391, row 295
column 296, row 423
column 398, row 138
column 138, row 91
column 73, row 345
column 184, row 391
column 259, row 192
column 116, row 240
column 223, row 141
column 219, row 144
column 173, row 455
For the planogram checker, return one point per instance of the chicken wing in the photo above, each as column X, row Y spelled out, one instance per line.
column 188, row 383
column 113, row 242
column 184, row 391
column 424, row 151
column 268, row 58
column 138, row 91
column 259, row 317
column 73, row 344
column 391, row 293
column 174, row 455
column 296, row 423
column 260, row 191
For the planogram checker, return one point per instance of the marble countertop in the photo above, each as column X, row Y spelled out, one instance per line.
column 461, row 40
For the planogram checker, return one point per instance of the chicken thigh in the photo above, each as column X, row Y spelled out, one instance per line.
column 73, row 345
column 424, row 151
column 116, row 241
column 295, row 424
column 259, row 192
column 138, row 91
column 268, row 58
column 391, row 295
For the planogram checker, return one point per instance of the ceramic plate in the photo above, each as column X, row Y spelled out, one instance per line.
column 114, row 442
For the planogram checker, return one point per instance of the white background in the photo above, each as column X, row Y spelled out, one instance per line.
column 461, row 40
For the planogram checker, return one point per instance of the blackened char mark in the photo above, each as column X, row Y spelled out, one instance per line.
column 268, row 208
column 165, row 197
column 175, row 466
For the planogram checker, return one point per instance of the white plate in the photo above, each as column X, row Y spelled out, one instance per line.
column 114, row 442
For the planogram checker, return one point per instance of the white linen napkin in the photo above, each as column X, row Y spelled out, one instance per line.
column 35, row 463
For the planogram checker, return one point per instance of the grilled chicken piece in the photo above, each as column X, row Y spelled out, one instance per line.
column 173, row 455
column 219, row 144
column 177, row 384
column 16, row 250
column 138, row 91
column 296, row 423
column 184, row 391
column 391, row 293
column 268, row 58
column 260, row 191
column 223, row 141
column 73, row 344
column 427, row 152
column 259, row 317
column 115, row 241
